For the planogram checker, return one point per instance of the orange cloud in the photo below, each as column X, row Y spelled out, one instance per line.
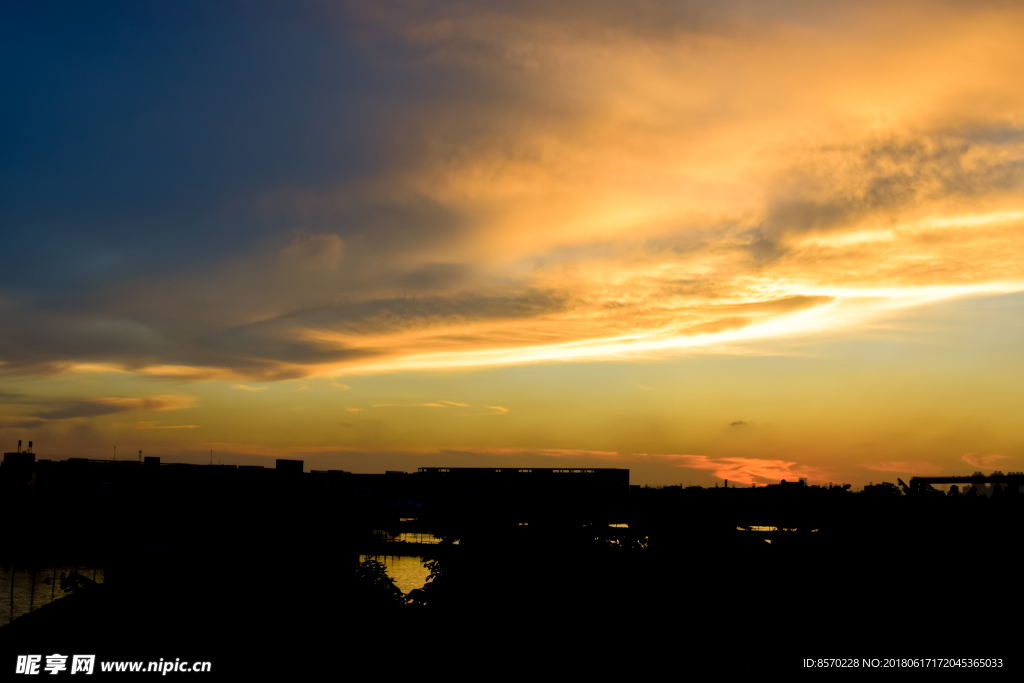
column 409, row 405
column 915, row 467
column 749, row 470
column 978, row 460
column 157, row 425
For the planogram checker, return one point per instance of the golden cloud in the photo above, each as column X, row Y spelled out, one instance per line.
column 916, row 467
column 637, row 184
column 978, row 460
column 154, row 403
column 749, row 470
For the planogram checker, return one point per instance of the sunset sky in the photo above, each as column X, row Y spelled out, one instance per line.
column 703, row 240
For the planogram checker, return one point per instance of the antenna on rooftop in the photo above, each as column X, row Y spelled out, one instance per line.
column 19, row 445
column 140, row 456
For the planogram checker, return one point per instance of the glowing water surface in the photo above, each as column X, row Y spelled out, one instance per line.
column 408, row 572
column 22, row 590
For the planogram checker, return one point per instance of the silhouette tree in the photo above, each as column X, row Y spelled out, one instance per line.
column 884, row 490
column 431, row 589
column 375, row 586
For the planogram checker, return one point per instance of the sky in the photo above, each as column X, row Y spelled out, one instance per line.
column 702, row 240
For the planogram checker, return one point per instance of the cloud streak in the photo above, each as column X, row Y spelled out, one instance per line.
column 748, row 470
column 978, row 460
column 906, row 467
column 40, row 412
column 157, row 425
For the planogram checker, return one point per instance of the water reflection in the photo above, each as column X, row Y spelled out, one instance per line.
column 413, row 537
column 23, row 590
column 408, row 572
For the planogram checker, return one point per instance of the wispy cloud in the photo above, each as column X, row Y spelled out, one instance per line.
column 978, row 460
column 154, row 403
column 409, row 405
column 245, row 387
column 748, row 470
column 489, row 410
column 157, row 425
column 44, row 410
column 915, row 467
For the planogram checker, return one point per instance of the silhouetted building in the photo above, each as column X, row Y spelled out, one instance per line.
column 289, row 466
column 1012, row 481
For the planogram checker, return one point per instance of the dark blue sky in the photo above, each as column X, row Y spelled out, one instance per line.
column 136, row 135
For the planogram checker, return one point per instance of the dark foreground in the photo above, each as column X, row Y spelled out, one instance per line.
column 681, row 591
column 549, row 607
